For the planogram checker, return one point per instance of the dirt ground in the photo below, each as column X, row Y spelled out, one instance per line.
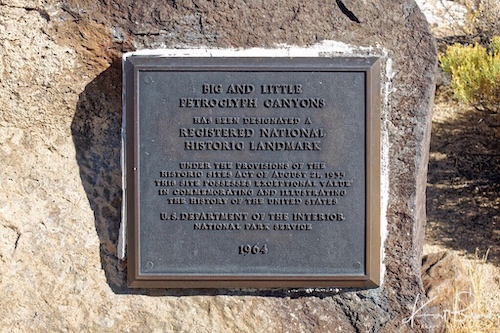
column 463, row 190
column 463, row 186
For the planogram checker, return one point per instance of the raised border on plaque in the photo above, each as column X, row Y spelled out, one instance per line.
column 134, row 65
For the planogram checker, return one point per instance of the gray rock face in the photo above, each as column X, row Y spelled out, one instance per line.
column 60, row 119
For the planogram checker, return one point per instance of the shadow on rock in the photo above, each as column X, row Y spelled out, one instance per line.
column 463, row 193
column 96, row 130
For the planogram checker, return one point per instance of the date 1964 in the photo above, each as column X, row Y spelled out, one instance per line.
column 255, row 249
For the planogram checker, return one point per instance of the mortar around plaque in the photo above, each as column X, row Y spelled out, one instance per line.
column 252, row 172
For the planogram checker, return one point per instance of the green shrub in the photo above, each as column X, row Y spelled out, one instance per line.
column 475, row 73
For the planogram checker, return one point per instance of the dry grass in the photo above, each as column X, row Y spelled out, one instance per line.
column 464, row 175
column 478, row 316
column 463, row 206
column 482, row 315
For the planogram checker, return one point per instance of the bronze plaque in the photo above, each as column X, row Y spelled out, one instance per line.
column 252, row 172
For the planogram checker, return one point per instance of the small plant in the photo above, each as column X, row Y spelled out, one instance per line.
column 475, row 73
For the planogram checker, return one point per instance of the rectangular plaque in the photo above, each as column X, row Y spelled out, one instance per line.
column 252, row 172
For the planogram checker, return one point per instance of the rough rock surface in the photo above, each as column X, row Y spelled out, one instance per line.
column 447, row 284
column 60, row 186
